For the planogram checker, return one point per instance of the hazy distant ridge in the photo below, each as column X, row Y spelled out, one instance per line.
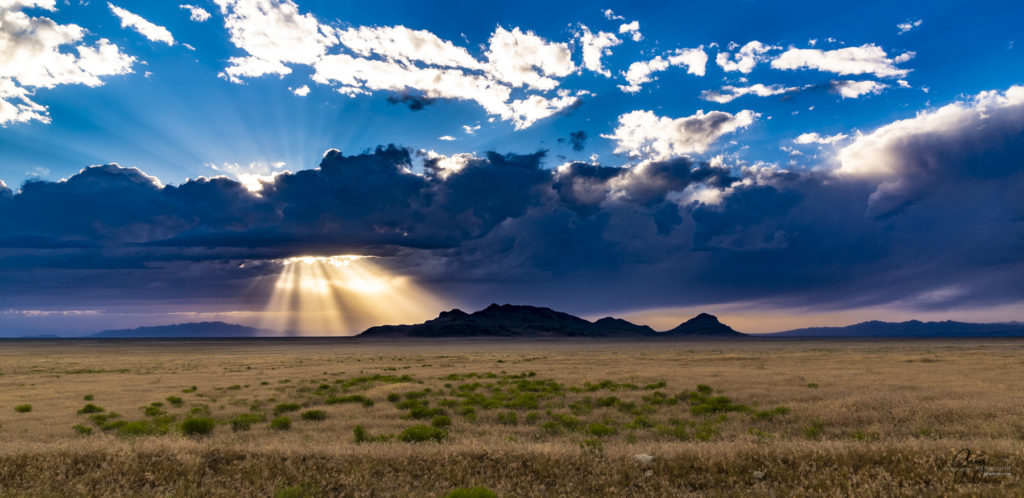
column 912, row 328
column 186, row 330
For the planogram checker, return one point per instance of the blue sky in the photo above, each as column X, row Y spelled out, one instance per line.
column 741, row 92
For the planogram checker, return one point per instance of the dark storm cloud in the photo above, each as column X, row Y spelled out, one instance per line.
column 507, row 227
column 577, row 139
column 415, row 102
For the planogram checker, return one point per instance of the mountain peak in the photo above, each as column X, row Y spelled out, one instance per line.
column 704, row 324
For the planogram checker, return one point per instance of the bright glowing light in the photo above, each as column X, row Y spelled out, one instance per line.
column 342, row 295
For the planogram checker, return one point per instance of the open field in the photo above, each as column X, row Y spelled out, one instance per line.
column 521, row 417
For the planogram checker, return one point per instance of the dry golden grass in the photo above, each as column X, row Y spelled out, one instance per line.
column 885, row 418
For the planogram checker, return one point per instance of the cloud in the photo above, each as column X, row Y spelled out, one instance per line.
column 977, row 137
column 523, row 58
column 151, row 31
column 632, row 29
column 746, row 58
column 646, row 135
column 40, row 53
column 865, row 59
column 595, row 47
column 815, row 138
column 447, row 138
column 415, row 102
column 611, row 16
column 903, row 27
column 301, row 91
column 197, row 14
column 577, row 139
column 517, row 80
column 729, row 93
column 848, row 89
column 912, row 209
column 695, row 60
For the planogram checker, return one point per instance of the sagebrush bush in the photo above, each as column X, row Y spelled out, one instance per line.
column 87, row 397
column 137, row 428
column 286, row 407
column 23, row 408
column 244, row 421
column 421, row 433
column 315, row 415
column 174, row 400
column 441, row 421
column 198, row 426
column 282, row 423
column 81, row 429
column 90, row 408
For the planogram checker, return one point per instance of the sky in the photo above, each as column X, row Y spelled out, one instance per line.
column 779, row 164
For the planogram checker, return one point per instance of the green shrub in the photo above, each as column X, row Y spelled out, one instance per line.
column 420, row 433
column 90, row 408
column 282, row 423
column 656, row 385
column 532, row 417
column 813, row 385
column 152, row 411
column 600, row 430
column 769, row 414
column 355, row 398
column 477, row 492
column 137, row 428
column 83, row 430
column 23, row 408
column 468, row 412
column 198, row 426
column 174, row 400
column 315, row 415
column 508, row 418
column 286, row 407
column 189, row 390
column 360, row 433
column 441, row 421
column 394, row 397
column 244, row 421
column 87, row 397
column 200, row 411
column 814, row 430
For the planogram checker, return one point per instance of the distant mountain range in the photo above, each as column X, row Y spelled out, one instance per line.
column 909, row 329
column 186, row 330
column 531, row 321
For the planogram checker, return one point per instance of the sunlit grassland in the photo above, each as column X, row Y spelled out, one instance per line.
column 321, row 417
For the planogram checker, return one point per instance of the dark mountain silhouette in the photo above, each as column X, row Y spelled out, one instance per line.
column 186, row 330
column 531, row 321
column 912, row 328
column 703, row 325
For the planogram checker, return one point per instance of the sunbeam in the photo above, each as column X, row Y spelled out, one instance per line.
column 342, row 295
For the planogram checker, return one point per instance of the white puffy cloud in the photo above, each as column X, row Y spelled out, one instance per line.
column 695, row 60
column 301, row 91
column 612, row 16
column 512, row 83
column 253, row 176
column 729, row 93
column 632, row 29
column 849, row 89
column 399, row 43
column 273, row 33
column 904, row 57
column 447, row 138
column 596, row 46
column 744, row 61
column 36, row 52
column 815, row 138
column 151, row 31
column 903, row 27
column 196, row 13
column 644, row 134
column 865, row 59
column 523, row 58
